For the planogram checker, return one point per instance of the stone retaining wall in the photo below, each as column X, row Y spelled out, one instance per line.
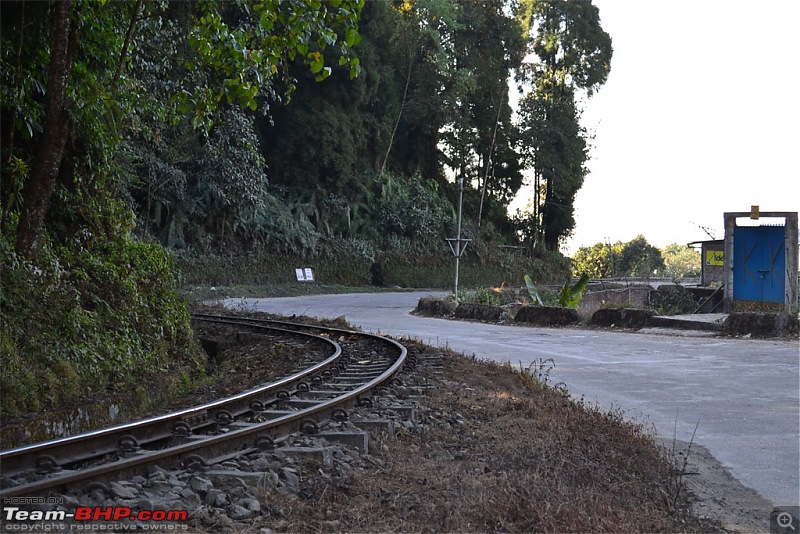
column 435, row 307
column 762, row 325
column 479, row 312
column 622, row 317
column 634, row 296
column 546, row 316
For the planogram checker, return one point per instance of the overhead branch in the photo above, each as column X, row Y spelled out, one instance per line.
column 128, row 37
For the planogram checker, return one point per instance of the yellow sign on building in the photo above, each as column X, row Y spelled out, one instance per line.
column 715, row 257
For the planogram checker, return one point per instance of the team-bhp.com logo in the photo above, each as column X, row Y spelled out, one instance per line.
column 15, row 518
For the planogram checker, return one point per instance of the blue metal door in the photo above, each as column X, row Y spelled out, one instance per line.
column 759, row 263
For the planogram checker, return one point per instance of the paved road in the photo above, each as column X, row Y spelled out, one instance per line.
column 743, row 396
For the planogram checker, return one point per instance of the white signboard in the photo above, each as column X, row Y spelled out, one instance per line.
column 304, row 275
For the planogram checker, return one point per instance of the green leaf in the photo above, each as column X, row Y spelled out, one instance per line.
column 267, row 22
column 355, row 68
column 532, row 291
column 316, row 66
column 330, row 38
column 351, row 37
column 570, row 297
column 323, row 74
column 580, row 286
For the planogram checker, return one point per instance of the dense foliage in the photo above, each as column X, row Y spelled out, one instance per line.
column 638, row 258
column 432, row 103
column 680, row 261
column 89, row 304
column 286, row 128
column 89, row 318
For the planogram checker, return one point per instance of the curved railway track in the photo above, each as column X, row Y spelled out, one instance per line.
column 346, row 373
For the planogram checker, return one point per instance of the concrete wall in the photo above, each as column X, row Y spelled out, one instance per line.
column 631, row 297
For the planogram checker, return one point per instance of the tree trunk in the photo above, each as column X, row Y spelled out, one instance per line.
column 550, row 234
column 489, row 160
column 537, row 230
column 49, row 153
column 399, row 116
column 126, row 44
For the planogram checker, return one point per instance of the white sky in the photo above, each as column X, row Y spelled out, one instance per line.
column 699, row 116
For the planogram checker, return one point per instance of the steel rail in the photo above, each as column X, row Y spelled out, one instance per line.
column 285, row 324
column 246, row 437
column 107, row 440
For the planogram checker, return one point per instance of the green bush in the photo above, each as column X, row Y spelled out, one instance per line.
column 355, row 262
column 483, row 296
column 86, row 316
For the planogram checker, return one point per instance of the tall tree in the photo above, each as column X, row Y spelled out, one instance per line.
column 48, row 155
column 556, row 146
column 422, row 37
column 478, row 138
column 572, row 54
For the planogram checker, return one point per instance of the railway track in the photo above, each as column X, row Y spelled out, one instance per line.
column 346, row 369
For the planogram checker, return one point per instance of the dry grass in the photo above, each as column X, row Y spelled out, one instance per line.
column 498, row 450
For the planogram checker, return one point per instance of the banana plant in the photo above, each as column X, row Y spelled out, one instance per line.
column 570, row 297
column 532, row 291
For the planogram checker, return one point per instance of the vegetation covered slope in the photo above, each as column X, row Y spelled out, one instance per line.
column 201, row 126
column 88, row 303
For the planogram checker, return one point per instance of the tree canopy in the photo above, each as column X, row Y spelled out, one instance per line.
column 207, row 118
column 637, row 258
column 220, row 53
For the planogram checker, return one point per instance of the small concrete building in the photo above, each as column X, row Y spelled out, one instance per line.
column 712, row 262
column 761, row 262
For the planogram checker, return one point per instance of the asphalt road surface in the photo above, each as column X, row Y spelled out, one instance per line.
column 742, row 396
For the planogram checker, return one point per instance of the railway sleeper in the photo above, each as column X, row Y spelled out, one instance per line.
column 302, row 403
column 376, row 426
column 354, row 439
column 408, row 413
column 359, row 375
column 320, row 394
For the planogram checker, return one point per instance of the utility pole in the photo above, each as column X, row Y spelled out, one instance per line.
column 458, row 249
column 611, row 255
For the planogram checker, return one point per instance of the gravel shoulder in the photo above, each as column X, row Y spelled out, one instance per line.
column 484, row 429
column 716, row 494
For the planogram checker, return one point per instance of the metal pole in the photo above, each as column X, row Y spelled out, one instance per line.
column 458, row 235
